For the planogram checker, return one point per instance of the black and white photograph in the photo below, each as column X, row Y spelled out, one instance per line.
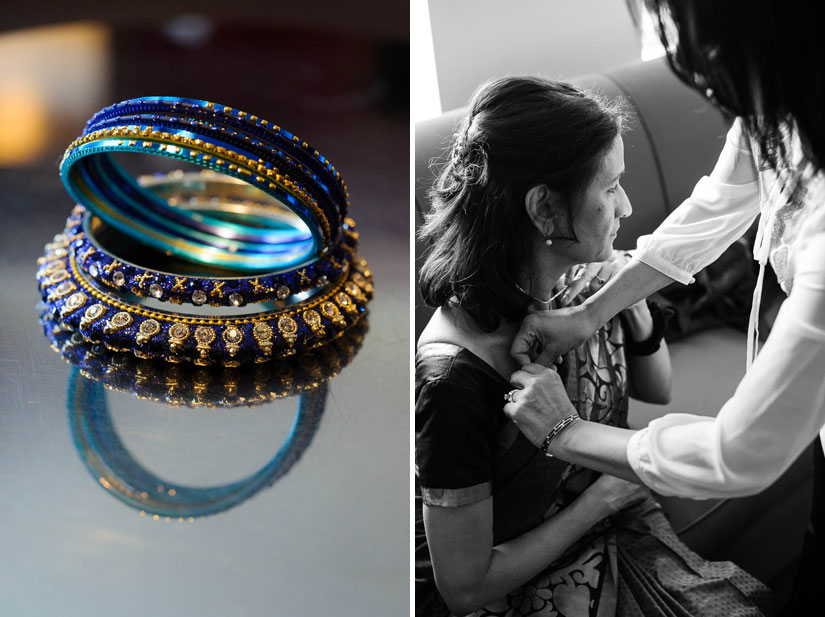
column 619, row 216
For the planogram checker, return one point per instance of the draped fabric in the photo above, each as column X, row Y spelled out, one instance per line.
column 631, row 564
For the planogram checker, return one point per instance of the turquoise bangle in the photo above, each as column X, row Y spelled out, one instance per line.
column 113, row 467
column 231, row 143
column 120, row 274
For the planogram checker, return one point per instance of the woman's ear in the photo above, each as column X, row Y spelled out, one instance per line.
column 543, row 208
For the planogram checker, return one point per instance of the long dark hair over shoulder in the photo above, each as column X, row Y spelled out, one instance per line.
column 760, row 59
column 520, row 132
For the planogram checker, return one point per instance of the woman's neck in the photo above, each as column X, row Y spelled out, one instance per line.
column 539, row 280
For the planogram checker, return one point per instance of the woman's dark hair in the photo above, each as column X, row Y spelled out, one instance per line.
column 763, row 60
column 520, row 132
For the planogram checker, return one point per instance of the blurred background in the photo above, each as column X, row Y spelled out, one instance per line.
column 332, row 535
column 462, row 43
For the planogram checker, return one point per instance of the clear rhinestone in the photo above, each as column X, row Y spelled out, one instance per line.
column 204, row 335
column 94, row 311
column 329, row 309
column 76, row 300
column 179, row 331
column 198, row 296
column 156, row 290
column 235, row 299
column 262, row 331
column 232, row 335
column 287, row 325
column 312, row 319
column 118, row 278
column 282, row 293
column 94, row 271
column 121, row 319
column 322, row 280
column 150, row 327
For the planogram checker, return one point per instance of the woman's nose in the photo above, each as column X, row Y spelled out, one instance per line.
column 624, row 208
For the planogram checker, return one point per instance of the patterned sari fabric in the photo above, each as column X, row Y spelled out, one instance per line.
column 632, row 564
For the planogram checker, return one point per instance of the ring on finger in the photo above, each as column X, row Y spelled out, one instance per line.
column 509, row 397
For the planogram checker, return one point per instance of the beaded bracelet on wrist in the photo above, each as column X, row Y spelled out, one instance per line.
column 122, row 275
column 101, row 316
column 558, row 428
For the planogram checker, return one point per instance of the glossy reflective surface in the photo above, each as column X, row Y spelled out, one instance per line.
column 121, row 500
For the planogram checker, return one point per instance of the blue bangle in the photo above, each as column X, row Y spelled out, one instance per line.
column 119, row 274
column 110, row 463
column 199, row 116
column 218, row 138
column 104, row 317
column 192, row 386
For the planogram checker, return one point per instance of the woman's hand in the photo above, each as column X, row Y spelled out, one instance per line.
column 586, row 279
column 546, row 335
column 610, row 494
column 540, row 402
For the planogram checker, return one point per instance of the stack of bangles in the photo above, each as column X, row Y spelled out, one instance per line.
column 257, row 243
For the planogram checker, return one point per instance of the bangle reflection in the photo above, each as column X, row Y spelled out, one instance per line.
column 95, row 369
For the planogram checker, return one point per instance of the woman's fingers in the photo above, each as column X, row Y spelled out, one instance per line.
column 582, row 275
column 527, row 373
column 587, row 279
column 526, row 341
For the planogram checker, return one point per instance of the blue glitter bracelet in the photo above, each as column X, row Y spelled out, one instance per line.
column 214, row 387
column 122, row 275
column 104, row 317
column 210, row 139
column 236, row 128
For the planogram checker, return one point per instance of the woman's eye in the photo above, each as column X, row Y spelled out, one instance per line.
column 613, row 189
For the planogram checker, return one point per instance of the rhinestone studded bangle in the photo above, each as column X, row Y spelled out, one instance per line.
column 102, row 316
column 215, row 387
column 119, row 274
column 560, row 426
column 215, row 137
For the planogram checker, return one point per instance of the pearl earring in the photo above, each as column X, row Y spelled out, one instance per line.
column 548, row 241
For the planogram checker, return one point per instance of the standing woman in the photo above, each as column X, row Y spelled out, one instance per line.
column 765, row 64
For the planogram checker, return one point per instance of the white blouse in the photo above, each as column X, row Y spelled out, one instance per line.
column 779, row 406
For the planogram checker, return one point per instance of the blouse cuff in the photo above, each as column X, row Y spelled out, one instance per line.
column 636, row 456
column 456, row 497
column 657, row 262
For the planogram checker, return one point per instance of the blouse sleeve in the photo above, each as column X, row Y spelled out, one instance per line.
column 774, row 414
column 720, row 209
column 454, row 444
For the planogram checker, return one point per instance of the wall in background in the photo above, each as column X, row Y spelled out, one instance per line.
column 475, row 40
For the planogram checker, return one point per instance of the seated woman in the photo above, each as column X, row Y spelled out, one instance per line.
column 531, row 189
